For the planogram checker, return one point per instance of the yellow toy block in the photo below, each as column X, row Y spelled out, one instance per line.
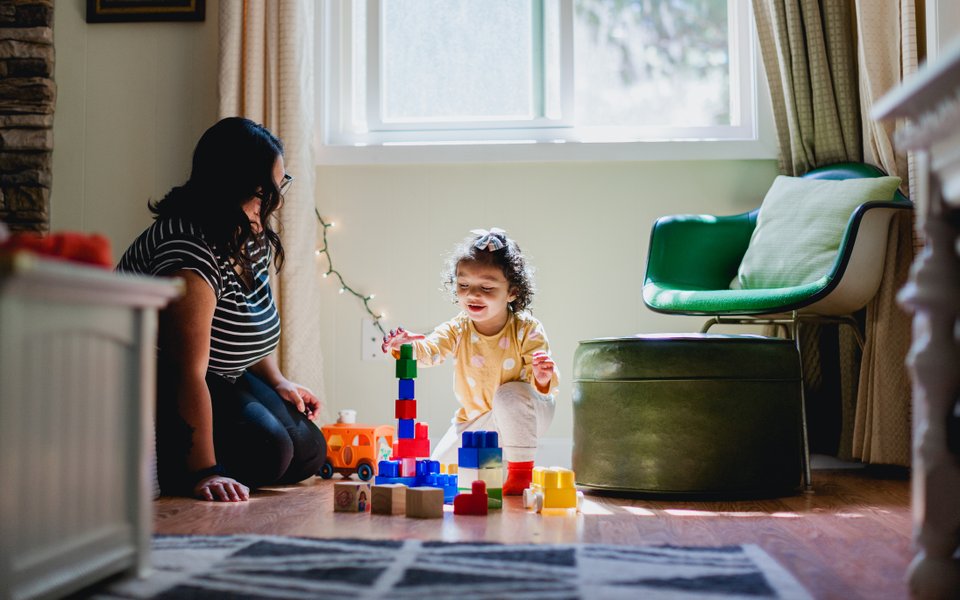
column 552, row 488
column 389, row 499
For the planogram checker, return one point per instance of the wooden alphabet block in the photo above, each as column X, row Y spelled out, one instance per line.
column 351, row 496
column 425, row 503
column 389, row 499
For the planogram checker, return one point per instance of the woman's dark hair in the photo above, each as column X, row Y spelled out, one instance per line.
column 233, row 161
column 508, row 259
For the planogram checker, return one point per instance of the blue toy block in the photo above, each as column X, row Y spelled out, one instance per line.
column 427, row 467
column 448, row 483
column 466, row 440
column 389, row 468
column 480, row 449
column 406, row 428
column 406, row 390
column 480, row 439
column 488, row 458
column 468, row 458
column 407, row 481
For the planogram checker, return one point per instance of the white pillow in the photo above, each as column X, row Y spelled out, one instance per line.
column 800, row 226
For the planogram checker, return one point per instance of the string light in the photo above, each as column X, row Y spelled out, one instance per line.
column 365, row 300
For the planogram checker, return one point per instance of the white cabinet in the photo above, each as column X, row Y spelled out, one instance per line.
column 77, row 372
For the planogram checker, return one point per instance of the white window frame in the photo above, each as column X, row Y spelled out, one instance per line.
column 752, row 138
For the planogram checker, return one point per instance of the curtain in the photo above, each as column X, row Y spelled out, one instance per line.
column 822, row 87
column 808, row 56
column 887, row 51
column 267, row 75
column 808, row 53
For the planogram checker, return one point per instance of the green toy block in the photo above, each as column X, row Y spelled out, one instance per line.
column 406, row 368
column 406, row 351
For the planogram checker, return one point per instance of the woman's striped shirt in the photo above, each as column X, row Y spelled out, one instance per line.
column 246, row 326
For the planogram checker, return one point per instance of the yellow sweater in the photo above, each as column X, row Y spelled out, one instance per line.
column 485, row 362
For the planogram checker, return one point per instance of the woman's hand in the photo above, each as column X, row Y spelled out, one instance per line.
column 543, row 367
column 301, row 397
column 220, row 488
column 398, row 337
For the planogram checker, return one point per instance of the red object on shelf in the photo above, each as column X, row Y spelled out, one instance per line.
column 91, row 249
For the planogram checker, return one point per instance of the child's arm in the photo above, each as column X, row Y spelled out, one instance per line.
column 430, row 349
column 540, row 369
column 543, row 370
column 398, row 337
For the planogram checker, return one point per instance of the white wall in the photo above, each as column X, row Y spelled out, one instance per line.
column 132, row 100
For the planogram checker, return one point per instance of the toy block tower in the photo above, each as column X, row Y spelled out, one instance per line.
column 481, row 459
column 409, row 463
column 412, row 440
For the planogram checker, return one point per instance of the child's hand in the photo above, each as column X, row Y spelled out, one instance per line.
column 398, row 337
column 543, row 367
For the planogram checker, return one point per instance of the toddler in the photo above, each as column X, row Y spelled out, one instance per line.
column 505, row 379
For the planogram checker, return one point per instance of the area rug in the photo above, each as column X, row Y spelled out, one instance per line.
column 254, row 566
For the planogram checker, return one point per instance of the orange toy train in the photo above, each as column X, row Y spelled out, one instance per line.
column 354, row 448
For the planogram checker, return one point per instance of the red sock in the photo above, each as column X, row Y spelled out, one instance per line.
column 519, row 475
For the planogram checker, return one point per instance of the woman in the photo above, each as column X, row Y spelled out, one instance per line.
column 227, row 418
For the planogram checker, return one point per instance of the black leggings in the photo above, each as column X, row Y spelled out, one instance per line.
column 259, row 438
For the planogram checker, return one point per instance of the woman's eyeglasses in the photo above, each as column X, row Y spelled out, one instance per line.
column 284, row 186
column 285, row 183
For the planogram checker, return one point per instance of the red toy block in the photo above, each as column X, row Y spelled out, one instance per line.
column 411, row 448
column 408, row 467
column 406, row 409
column 474, row 503
column 420, row 431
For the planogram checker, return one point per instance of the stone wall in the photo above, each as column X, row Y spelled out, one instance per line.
column 27, row 100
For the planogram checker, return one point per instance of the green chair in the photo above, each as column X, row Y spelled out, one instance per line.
column 693, row 259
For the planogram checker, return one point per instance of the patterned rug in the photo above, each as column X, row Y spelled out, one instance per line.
column 253, row 566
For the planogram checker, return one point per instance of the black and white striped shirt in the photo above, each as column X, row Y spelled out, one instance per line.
column 246, row 326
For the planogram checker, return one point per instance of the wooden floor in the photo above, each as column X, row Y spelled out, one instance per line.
column 849, row 539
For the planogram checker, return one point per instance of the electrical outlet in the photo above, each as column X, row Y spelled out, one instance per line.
column 370, row 341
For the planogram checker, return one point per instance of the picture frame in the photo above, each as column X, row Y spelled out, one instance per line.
column 119, row 11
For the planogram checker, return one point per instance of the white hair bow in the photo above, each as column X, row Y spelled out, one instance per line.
column 488, row 240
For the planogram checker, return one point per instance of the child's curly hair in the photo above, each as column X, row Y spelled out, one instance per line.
column 508, row 259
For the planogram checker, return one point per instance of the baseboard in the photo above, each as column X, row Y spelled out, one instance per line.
column 554, row 452
column 823, row 462
column 557, row 452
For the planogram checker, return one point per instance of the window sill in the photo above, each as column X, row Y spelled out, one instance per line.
column 532, row 151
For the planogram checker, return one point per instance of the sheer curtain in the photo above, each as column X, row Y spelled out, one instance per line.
column 826, row 62
column 267, row 75
column 887, row 51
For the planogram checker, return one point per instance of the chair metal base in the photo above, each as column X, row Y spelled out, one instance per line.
column 790, row 323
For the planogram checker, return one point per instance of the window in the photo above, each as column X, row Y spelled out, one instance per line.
column 538, row 73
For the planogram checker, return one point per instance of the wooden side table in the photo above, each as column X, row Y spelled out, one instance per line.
column 930, row 104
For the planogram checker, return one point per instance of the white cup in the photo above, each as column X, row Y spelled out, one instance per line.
column 347, row 415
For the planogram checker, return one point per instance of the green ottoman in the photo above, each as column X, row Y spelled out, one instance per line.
column 690, row 414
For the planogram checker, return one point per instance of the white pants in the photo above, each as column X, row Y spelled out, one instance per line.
column 520, row 415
